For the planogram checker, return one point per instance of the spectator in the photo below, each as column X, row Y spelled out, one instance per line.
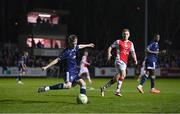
column 39, row 44
column 38, row 20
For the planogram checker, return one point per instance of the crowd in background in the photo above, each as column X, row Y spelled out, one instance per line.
column 98, row 58
column 168, row 60
column 11, row 56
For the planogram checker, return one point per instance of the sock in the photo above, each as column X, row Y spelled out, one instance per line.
column 119, row 84
column 19, row 78
column 140, row 86
column 83, row 90
column 143, row 79
column 108, row 84
column 152, row 82
column 57, row 86
column 47, row 88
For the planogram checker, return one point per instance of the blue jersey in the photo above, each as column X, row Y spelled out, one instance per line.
column 153, row 46
column 69, row 57
column 22, row 61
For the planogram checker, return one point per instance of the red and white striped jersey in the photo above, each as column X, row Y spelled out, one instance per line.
column 84, row 62
column 123, row 48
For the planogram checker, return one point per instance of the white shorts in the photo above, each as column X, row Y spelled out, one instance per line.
column 83, row 70
column 120, row 65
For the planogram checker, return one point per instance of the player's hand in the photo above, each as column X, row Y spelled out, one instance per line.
column 163, row 51
column 135, row 62
column 91, row 45
column 109, row 56
column 44, row 68
column 24, row 70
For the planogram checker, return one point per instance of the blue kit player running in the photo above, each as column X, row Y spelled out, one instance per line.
column 152, row 51
column 22, row 66
column 69, row 57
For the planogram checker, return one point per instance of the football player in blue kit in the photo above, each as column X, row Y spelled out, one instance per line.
column 69, row 57
column 22, row 66
column 152, row 52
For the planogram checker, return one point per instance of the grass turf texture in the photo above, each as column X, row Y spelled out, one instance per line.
column 24, row 98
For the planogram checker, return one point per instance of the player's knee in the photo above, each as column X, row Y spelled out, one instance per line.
column 153, row 77
column 152, row 72
column 67, row 85
column 83, row 74
column 116, row 77
column 121, row 78
column 147, row 73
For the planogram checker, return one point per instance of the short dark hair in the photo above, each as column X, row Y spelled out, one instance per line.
column 70, row 40
column 155, row 34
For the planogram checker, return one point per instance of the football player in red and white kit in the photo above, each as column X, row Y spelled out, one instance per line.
column 123, row 48
column 83, row 67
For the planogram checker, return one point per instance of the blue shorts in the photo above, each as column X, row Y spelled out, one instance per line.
column 150, row 65
column 72, row 77
column 20, row 68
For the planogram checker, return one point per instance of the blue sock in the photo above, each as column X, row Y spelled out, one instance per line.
column 19, row 78
column 152, row 82
column 83, row 90
column 57, row 86
column 143, row 79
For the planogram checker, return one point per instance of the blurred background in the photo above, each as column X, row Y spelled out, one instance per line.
column 41, row 27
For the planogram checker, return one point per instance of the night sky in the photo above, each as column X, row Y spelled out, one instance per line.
column 99, row 21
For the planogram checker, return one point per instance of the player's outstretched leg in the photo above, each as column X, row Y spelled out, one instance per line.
column 54, row 87
column 41, row 89
column 140, row 86
column 107, row 85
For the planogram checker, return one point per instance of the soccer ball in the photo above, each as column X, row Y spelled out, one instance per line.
column 82, row 99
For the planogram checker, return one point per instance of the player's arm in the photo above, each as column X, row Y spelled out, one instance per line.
column 51, row 63
column 109, row 52
column 81, row 46
column 152, row 52
column 149, row 50
column 115, row 44
column 23, row 65
column 133, row 53
column 84, row 61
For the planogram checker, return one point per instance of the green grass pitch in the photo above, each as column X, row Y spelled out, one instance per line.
column 24, row 98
